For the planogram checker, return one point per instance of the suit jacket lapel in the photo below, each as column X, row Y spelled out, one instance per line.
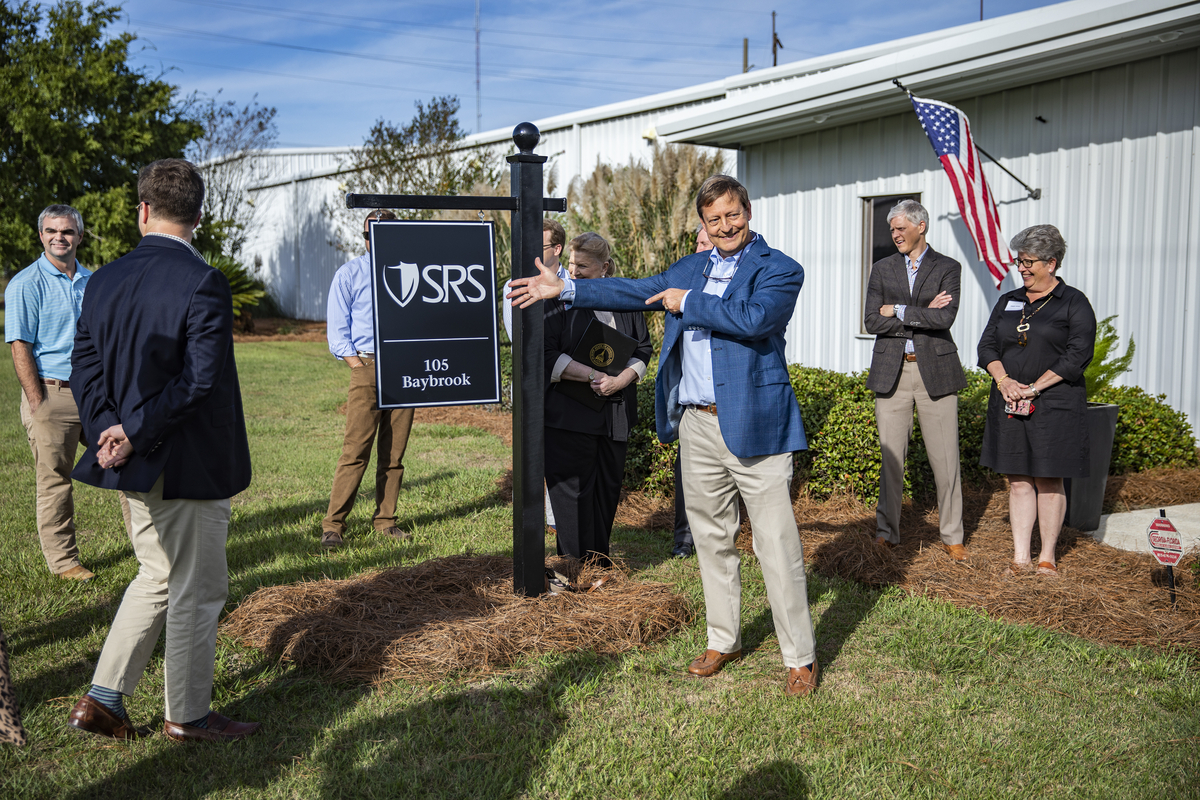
column 749, row 264
column 900, row 276
column 928, row 264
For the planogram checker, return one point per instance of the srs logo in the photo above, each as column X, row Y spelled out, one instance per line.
column 403, row 280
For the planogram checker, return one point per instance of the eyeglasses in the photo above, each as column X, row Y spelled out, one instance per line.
column 1027, row 263
column 546, row 247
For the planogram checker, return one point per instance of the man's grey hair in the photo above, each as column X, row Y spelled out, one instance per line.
column 61, row 211
column 1043, row 242
column 911, row 210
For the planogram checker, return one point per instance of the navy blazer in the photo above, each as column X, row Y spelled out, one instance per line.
column 755, row 402
column 154, row 352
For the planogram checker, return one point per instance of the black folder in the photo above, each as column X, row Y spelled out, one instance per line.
column 604, row 349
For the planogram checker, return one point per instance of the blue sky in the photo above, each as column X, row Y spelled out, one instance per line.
column 333, row 68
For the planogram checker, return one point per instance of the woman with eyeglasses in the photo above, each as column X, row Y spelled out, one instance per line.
column 1037, row 343
column 585, row 448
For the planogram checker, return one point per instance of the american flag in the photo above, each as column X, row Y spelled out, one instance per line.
column 950, row 134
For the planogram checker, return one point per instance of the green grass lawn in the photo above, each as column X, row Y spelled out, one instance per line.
column 918, row 698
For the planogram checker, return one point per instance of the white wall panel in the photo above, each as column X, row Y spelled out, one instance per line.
column 1117, row 165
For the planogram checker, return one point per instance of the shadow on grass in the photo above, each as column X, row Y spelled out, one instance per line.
column 482, row 741
column 782, row 779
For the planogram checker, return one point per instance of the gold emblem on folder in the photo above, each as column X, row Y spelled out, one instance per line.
column 601, row 355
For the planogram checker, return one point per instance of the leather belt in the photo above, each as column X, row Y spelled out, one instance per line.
column 711, row 408
column 910, row 356
column 56, row 382
column 361, row 354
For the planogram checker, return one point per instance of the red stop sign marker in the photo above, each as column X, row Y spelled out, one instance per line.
column 1165, row 542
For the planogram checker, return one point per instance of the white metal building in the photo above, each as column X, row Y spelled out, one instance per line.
column 1095, row 102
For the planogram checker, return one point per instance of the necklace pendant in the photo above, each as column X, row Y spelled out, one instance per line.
column 1023, row 327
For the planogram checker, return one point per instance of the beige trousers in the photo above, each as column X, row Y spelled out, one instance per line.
column 363, row 420
column 54, row 437
column 939, row 429
column 55, row 434
column 182, row 583
column 712, row 479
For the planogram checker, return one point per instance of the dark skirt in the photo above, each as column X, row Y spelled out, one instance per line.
column 1052, row 442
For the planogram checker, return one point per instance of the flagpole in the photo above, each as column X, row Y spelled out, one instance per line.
column 1035, row 194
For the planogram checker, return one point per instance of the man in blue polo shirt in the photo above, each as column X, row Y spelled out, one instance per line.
column 41, row 308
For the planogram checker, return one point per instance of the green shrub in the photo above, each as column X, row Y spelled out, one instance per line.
column 649, row 464
column 1106, row 365
column 1149, row 432
column 247, row 292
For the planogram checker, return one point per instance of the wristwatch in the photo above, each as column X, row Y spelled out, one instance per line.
column 591, row 376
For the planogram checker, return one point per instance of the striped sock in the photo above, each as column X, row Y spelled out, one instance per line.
column 111, row 699
column 200, row 723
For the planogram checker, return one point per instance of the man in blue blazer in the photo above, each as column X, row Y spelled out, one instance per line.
column 155, row 380
column 723, row 391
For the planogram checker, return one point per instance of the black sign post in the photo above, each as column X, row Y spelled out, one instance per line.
column 436, row 341
column 527, row 205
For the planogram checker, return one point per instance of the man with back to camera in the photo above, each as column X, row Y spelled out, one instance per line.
column 912, row 299
column 154, row 375
column 350, row 329
column 723, row 391
column 41, row 306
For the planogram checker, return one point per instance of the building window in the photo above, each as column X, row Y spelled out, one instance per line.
column 877, row 240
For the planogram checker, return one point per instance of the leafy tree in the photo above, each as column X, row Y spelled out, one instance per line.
column 76, row 123
column 1106, row 365
column 423, row 156
column 228, row 154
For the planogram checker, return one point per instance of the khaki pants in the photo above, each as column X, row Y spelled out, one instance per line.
column 54, row 437
column 939, row 429
column 712, row 479
column 363, row 420
column 182, row 583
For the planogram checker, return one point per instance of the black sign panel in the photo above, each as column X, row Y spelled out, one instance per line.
column 434, row 287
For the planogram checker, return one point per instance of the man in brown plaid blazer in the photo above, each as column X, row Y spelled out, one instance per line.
column 912, row 299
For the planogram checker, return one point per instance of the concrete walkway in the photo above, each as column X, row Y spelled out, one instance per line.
column 1127, row 530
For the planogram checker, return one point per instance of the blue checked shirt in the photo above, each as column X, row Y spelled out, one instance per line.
column 350, row 315
column 911, row 268
column 41, row 306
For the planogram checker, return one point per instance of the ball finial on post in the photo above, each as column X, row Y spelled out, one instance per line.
column 526, row 136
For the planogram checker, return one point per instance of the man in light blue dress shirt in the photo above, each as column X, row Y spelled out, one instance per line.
column 350, row 329
column 42, row 305
column 724, row 392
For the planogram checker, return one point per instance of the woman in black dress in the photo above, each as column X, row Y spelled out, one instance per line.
column 585, row 449
column 1037, row 343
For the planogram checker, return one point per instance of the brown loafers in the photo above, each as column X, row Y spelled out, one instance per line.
column 884, row 543
column 220, row 729
column 801, row 680
column 331, row 539
column 710, row 662
column 91, row 716
column 956, row 551
column 397, row 533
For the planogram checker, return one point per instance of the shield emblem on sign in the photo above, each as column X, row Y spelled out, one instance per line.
column 401, row 282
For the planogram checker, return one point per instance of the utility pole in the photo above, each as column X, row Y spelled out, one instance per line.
column 478, row 95
column 777, row 45
column 745, row 55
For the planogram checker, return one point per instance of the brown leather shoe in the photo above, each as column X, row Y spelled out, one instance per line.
column 77, row 573
column 710, row 662
column 220, row 729
column 956, row 551
column 331, row 539
column 801, row 680
column 884, row 543
column 91, row 716
column 397, row 534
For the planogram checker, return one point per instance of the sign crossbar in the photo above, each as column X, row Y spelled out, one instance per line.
column 453, row 203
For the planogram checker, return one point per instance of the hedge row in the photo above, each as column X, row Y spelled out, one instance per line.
column 843, row 455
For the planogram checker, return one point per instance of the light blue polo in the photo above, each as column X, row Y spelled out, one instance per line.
column 41, row 306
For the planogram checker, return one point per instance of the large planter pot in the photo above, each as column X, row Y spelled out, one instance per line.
column 1085, row 496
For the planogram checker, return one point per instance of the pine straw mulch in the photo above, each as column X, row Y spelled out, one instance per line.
column 1102, row 593
column 451, row 615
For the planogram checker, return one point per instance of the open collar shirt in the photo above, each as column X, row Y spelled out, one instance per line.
column 350, row 326
column 41, row 306
column 910, row 269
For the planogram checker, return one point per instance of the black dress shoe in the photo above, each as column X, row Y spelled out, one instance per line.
column 91, row 716
column 683, row 551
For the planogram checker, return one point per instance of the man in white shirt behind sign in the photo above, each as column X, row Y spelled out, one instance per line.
column 351, row 334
